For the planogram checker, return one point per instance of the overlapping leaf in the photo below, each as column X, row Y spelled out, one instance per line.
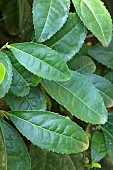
column 104, row 86
column 6, row 83
column 109, row 76
column 103, row 55
column 2, row 72
column 49, row 16
column 35, row 100
column 70, row 38
column 79, row 97
column 96, row 18
column 50, row 131
column 13, row 153
column 41, row 60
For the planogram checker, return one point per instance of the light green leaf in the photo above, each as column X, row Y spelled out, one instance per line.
column 6, row 83
column 98, row 148
column 49, row 16
column 2, row 72
column 13, row 152
column 35, row 100
column 103, row 55
column 41, row 60
column 68, row 41
column 104, row 86
column 79, row 97
column 82, row 64
column 108, row 135
column 42, row 159
column 96, row 18
column 50, row 131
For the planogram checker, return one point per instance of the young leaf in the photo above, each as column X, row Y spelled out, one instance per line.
column 49, row 16
column 50, row 131
column 13, row 153
column 79, row 97
column 108, row 135
column 6, row 83
column 104, row 86
column 82, row 64
column 35, row 100
column 96, row 18
column 42, row 159
column 68, row 41
column 2, row 72
column 103, row 55
column 98, row 148
column 41, row 60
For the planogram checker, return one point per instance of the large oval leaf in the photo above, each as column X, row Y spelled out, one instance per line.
column 104, row 86
column 103, row 55
column 2, row 72
column 13, row 153
column 49, row 16
column 79, row 97
column 96, row 18
column 6, row 83
column 41, row 60
column 35, row 100
column 70, row 38
column 50, row 131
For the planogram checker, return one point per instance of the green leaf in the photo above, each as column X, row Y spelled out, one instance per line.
column 98, row 148
column 79, row 97
column 50, row 131
column 2, row 72
column 42, row 159
column 96, row 18
column 13, row 152
column 78, row 161
column 41, row 60
column 68, row 41
column 35, row 100
column 49, row 16
column 103, row 55
column 6, row 83
column 82, row 64
column 104, row 86
column 108, row 135
column 109, row 76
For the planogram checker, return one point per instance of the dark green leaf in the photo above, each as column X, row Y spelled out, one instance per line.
column 35, row 100
column 109, row 76
column 104, row 86
column 2, row 72
column 50, row 131
column 6, row 83
column 70, row 38
column 96, row 18
column 41, row 60
column 103, row 55
column 49, row 16
column 79, row 97
column 98, row 148
column 13, row 153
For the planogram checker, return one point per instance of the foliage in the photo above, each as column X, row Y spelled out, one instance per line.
column 56, row 82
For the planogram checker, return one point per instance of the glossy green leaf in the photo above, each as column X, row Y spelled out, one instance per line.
column 104, row 86
column 35, row 100
column 96, row 18
column 41, row 60
column 6, row 83
column 98, row 148
column 42, row 159
column 82, row 64
column 49, row 16
column 108, row 135
column 50, row 131
column 70, row 38
column 13, row 152
column 2, row 72
column 103, row 55
column 79, row 97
